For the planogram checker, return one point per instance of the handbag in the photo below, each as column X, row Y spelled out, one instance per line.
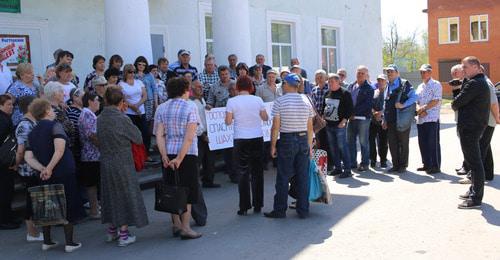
column 315, row 189
column 48, row 204
column 405, row 116
column 8, row 151
column 139, row 155
column 171, row 198
column 318, row 121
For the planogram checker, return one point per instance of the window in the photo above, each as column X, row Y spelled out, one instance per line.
column 281, row 44
column 329, row 49
column 445, row 69
column 448, row 30
column 479, row 28
column 209, row 36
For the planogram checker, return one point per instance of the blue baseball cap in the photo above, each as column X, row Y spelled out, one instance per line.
column 292, row 79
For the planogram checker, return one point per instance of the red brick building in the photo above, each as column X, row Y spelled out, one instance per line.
column 459, row 28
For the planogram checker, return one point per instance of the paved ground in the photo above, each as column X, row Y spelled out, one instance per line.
column 373, row 216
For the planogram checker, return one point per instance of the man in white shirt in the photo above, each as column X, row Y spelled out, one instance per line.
column 205, row 156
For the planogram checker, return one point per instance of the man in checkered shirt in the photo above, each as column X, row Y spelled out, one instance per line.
column 209, row 76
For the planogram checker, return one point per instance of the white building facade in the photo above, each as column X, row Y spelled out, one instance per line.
column 326, row 34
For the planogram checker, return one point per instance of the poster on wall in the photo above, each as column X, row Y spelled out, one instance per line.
column 14, row 49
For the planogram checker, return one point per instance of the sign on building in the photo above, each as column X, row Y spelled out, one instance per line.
column 220, row 135
column 10, row 6
column 14, row 49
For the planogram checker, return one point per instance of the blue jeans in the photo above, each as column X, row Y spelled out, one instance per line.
column 359, row 128
column 337, row 142
column 293, row 160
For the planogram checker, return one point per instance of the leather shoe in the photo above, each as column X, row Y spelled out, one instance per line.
column 211, row 185
column 383, row 165
column 241, row 212
column 274, row 214
column 393, row 169
column 257, row 209
column 422, row 169
column 433, row 171
column 185, row 236
column 402, row 170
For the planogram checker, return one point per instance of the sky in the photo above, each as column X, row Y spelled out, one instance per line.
column 407, row 14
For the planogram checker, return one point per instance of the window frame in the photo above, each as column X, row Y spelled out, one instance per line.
column 295, row 26
column 337, row 25
column 479, row 28
column 205, row 9
column 449, row 31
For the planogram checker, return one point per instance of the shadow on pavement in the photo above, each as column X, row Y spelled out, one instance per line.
column 417, row 178
column 352, row 182
column 491, row 214
column 372, row 175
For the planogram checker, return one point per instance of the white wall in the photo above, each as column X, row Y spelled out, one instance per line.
column 78, row 26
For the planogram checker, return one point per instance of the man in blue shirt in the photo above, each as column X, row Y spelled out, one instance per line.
column 399, row 114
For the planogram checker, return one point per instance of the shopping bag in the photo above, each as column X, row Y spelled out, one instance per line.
column 315, row 189
column 171, row 198
column 49, row 204
column 321, row 160
column 139, row 155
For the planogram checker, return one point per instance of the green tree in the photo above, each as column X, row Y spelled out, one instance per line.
column 405, row 51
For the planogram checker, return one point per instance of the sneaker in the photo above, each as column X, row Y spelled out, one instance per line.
column 71, row 248
column 462, row 171
column 30, row 238
column 465, row 181
column 465, row 196
column 125, row 242
column 111, row 237
column 46, row 247
column 469, row 204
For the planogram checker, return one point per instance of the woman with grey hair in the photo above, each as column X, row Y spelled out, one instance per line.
column 23, row 86
column 54, row 93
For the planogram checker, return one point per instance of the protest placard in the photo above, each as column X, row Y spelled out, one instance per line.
column 220, row 135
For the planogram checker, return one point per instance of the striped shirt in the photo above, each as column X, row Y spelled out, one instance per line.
column 175, row 115
column 294, row 111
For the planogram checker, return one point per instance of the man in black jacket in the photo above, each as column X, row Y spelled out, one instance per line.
column 338, row 109
column 473, row 106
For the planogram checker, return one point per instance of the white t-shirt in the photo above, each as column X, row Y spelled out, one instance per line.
column 246, row 114
column 133, row 94
column 67, row 89
column 5, row 78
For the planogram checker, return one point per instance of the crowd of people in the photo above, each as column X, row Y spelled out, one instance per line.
column 82, row 136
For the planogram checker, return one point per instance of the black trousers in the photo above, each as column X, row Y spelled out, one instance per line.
column 322, row 138
column 429, row 144
column 206, row 159
column 248, row 153
column 6, row 195
column 199, row 210
column 469, row 141
column 486, row 154
column 229, row 163
column 398, row 145
column 378, row 141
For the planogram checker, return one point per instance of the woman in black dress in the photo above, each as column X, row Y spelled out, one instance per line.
column 48, row 152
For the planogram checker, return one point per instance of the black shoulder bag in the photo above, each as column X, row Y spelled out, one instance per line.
column 171, row 198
